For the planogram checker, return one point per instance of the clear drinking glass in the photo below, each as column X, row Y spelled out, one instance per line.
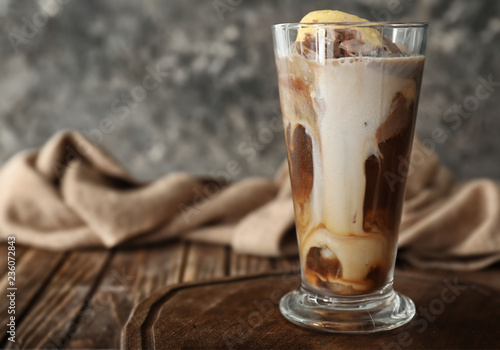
column 349, row 95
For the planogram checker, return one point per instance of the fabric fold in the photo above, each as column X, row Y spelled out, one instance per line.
column 71, row 194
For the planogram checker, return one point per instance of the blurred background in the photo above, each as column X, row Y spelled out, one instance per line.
column 191, row 85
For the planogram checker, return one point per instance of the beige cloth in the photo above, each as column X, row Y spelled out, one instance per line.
column 70, row 194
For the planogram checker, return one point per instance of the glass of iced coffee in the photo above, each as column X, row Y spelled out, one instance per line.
column 349, row 92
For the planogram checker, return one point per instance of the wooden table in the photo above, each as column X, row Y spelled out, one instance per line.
column 82, row 299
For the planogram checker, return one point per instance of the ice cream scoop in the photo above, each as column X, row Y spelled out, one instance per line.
column 368, row 35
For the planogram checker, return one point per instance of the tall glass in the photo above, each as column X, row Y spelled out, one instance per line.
column 349, row 95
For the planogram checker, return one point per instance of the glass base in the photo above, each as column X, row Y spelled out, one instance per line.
column 367, row 313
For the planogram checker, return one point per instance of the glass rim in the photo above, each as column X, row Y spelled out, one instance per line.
column 351, row 24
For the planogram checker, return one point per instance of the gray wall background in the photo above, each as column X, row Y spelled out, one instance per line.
column 77, row 64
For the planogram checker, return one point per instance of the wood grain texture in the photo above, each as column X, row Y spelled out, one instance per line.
column 243, row 313
column 83, row 299
column 34, row 268
column 286, row 264
column 204, row 262
column 241, row 265
column 131, row 276
column 50, row 322
column 20, row 250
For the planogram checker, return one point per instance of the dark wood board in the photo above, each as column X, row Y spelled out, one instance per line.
column 33, row 271
column 131, row 276
column 50, row 322
column 227, row 314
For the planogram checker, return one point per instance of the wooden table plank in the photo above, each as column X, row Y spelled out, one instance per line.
column 33, row 271
column 49, row 323
column 246, row 264
column 131, row 276
column 20, row 250
column 205, row 261
column 286, row 264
